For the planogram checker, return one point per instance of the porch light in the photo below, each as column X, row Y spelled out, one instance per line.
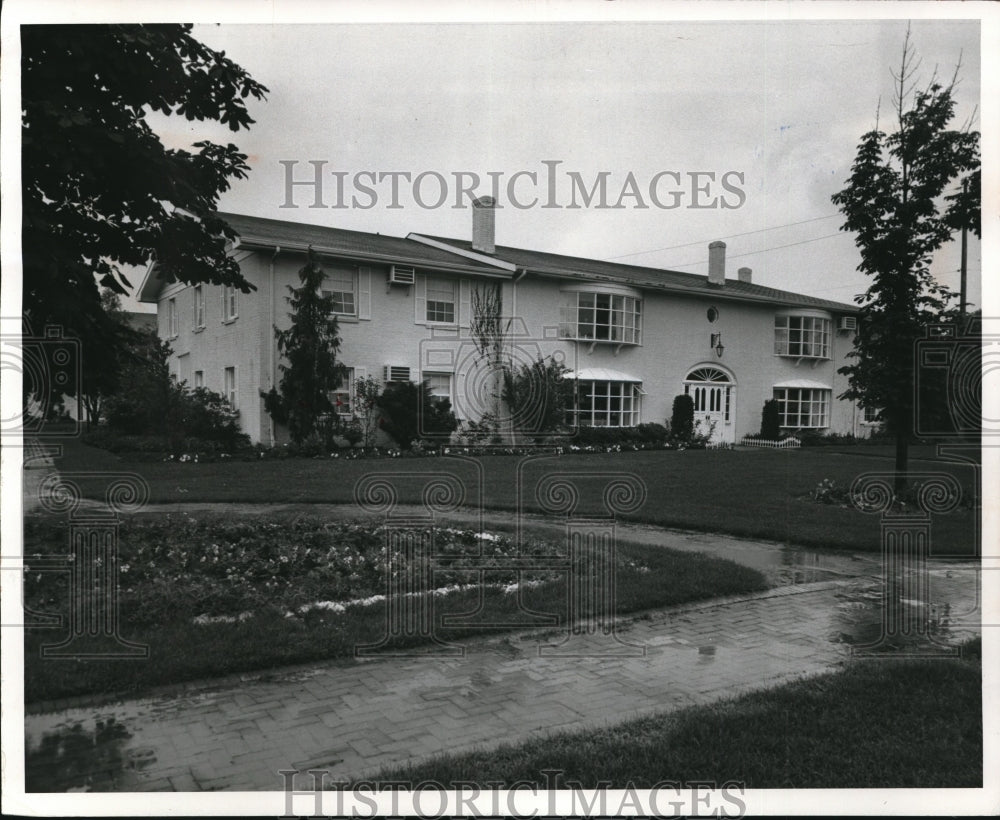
column 717, row 344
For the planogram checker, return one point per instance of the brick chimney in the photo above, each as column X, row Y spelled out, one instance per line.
column 745, row 275
column 483, row 224
column 717, row 264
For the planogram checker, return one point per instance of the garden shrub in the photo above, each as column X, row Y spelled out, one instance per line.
column 409, row 412
column 537, row 395
column 484, row 431
column 682, row 418
column 652, row 432
column 770, row 421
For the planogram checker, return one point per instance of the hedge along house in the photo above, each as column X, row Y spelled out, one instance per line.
column 632, row 337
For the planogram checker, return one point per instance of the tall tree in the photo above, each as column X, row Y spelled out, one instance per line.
column 310, row 347
column 898, row 204
column 100, row 190
column 104, row 358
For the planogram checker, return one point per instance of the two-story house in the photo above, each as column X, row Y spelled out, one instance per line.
column 632, row 337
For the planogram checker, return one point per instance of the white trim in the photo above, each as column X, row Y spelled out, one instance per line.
column 478, row 257
column 602, row 287
column 600, row 374
column 235, row 402
column 803, row 384
column 226, row 317
column 173, row 325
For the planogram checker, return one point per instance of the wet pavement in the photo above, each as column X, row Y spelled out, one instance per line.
column 354, row 718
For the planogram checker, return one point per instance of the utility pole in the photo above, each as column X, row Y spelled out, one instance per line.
column 965, row 243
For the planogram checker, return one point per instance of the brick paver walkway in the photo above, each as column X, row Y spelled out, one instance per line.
column 354, row 717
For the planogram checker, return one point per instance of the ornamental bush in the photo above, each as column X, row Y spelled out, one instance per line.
column 770, row 420
column 682, row 418
column 410, row 412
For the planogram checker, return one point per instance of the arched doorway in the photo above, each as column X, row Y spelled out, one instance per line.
column 714, row 393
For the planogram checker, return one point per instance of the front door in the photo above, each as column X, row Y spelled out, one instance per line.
column 714, row 397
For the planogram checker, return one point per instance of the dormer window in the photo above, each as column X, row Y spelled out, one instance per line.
column 600, row 314
column 802, row 335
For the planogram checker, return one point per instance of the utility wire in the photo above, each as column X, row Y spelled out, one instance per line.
column 730, row 236
column 755, row 253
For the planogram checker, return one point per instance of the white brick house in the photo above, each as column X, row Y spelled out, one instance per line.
column 633, row 337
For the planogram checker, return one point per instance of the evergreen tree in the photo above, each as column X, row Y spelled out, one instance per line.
column 310, row 348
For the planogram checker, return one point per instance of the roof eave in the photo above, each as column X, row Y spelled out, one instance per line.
column 715, row 293
column 353, row 256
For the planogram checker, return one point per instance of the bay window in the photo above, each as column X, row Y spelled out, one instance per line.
column 801, row 407
column 595, row 316
column 605, row 404
column 802, row 336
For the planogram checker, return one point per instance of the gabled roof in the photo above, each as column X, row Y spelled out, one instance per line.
column 575, row 267
column 256, row 231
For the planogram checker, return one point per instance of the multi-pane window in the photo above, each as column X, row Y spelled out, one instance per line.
column 438, row 385
column 871, row 415
column 342, row 398
column 340, row 285
column 602, row 317
column 229, row 386
column 440, row 300
column 199, row 306
column 172, row 318
column 807, row 336
column 802, row 407
column 605, row 404
column 230, row 307
column 199, row 378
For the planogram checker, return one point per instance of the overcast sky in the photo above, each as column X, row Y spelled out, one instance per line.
column 782, row 103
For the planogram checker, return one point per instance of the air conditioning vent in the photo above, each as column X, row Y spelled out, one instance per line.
column 847, row 323
column 401, row 275
column 396, row 373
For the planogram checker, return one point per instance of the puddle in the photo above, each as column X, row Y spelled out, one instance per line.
column 947, row 616
column 83, row 756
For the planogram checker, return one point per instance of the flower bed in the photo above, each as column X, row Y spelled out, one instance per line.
column 219, row 595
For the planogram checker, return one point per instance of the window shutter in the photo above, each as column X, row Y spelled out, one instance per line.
column 464, row 303
column 507, row 299
column 420, row 300
column 360, row 373
column 364, row 293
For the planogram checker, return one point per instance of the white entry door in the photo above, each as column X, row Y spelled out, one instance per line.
column 714, row 396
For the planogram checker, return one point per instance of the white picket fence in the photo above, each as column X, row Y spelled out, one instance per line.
column 784, row 444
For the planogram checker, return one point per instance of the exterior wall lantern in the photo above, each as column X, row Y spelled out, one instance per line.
column 717, row 344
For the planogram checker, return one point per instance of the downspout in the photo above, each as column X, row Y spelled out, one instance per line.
column 271, row 343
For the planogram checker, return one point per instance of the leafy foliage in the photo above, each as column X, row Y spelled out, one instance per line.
column 537, row 395
column 310, row 348
column 409, row 412
column 895, row 202
column 103, row 357
column 770, row 420
column 100, row 189
column 682, row 417
column 150, row 402
column 367, row 391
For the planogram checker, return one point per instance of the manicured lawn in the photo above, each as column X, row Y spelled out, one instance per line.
column 876, row 724
column 758, row 493
column 214, row 595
